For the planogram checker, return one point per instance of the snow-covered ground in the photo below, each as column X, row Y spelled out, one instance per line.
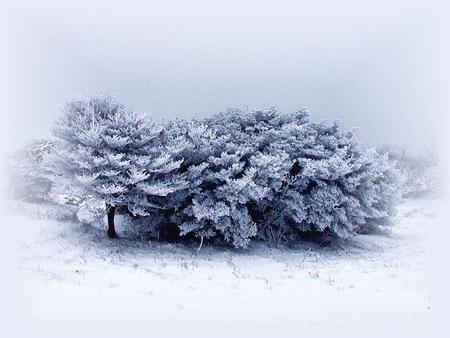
column 65, row 280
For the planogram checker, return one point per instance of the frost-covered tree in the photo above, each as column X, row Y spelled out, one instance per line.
column 219, row 185
column 119, row 157
column 418, row 171
column 330, row 182
column 319, row 178
column 29, row 174
column 233, row 176
column 275, row 176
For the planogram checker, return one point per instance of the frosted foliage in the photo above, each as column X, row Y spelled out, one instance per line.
column 274, row 176
column 235, row 177
column 114, row 156
column 29, row 175
column 419, row 172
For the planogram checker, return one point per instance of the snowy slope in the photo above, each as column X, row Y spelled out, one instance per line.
column 67, row 280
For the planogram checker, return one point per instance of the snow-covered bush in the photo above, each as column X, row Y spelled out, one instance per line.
column 109, row 154
column 29, row 174
column 274, row 176
column 235, row 176
column 418, row 171
column 332, row 184
column 220, row 185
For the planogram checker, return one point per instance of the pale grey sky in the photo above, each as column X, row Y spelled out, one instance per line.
column 379, row 65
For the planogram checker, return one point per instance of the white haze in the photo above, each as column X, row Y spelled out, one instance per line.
column 377, row 65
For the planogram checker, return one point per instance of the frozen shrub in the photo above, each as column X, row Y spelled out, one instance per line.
column 418, row 172
column 30, row 177
column 275, row 176
column 234, row 176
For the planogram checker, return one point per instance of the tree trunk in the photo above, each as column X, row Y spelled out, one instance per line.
column 110, row 212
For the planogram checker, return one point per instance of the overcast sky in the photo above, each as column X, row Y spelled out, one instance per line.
column 378, row 65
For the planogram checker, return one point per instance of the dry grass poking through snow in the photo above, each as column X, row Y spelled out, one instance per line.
column 72, row 282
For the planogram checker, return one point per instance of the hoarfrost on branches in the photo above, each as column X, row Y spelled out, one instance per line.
column 113, row 155
column 235, row 176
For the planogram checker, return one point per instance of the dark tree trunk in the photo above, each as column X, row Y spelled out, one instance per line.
column 110, row 212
